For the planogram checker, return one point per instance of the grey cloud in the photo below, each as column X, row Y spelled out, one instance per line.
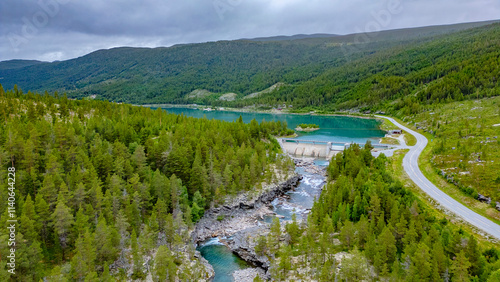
column 79, row 26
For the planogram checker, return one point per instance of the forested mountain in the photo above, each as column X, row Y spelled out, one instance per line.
column 362, row 70
column 453, row 67
column 97, row 185
column 17, row 64
column 292, row 37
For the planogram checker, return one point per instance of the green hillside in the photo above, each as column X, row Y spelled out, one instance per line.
column 17, row 64
column 345, row 71
column 442, row 68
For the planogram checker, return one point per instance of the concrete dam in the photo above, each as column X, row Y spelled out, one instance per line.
column 316, row 149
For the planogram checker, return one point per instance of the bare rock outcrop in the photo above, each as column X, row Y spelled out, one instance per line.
column 227, row 220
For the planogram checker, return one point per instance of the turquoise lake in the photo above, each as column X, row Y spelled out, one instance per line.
column 222, row 260
column 332, row 128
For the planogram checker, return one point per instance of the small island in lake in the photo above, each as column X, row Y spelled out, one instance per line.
column 307, row 127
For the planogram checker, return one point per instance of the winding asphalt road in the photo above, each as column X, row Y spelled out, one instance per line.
column 410, row 165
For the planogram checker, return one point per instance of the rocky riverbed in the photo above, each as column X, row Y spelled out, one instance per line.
column 248, row 274
column 240, row 222
column 309, row 166
column 227, row 220
column 243, row 244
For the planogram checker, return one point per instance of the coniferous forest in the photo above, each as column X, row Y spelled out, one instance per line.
column 98, row 185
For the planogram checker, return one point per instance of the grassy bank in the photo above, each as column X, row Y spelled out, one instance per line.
column 450, row 115
column 452, row 190
column 389, row 141
column 410, row 139
column 387, row 124
column 434, row 208
column 464, row 147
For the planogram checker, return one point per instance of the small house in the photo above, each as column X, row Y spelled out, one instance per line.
column 395, row 131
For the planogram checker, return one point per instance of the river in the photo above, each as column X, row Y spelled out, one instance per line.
column 332, row 128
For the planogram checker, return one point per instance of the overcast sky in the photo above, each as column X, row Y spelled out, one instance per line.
column 51, row 30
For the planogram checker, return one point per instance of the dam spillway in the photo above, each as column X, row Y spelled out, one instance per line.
column 314, row 148
column 305, row 148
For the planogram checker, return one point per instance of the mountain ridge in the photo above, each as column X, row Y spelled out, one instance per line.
column 168, row 74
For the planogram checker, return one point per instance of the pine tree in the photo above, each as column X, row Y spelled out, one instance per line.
column 285, row 264
column 49, row 191
column 363, row 231
column 122, row 226
column 4, row 274
column 198, row 179
column 136, row 257
column 61, row 220
column 195, row 212
column 293, row 229
column 106, row 240
column 139, row 161
column 147, row 240
column 401, row 227
column 494, row 276
column 355, row 267
column 439, row 257
column 459, row 268
column 91, row 277
column 42, row 209
column 327, row 272
column 274, row 235
column 347, row 234
column 56, row 275
column 474, row 256
column 30, row 157
column 160, row 187
column 160, row 211
column 379, row 261
column 83, row 262
column 387, row 245
column 28, row 260
column 455, row 245
column 134, row 212
column 164, row 266
column 169, row 229
column 435, row 274
column 79, row 196
column 28, row 220
column 410, row 236
column 81, row 223
column 106, row 276
column 261, row 246
column 421, row 263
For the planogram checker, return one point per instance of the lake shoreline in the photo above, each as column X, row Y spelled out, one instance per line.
column 242, row 110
